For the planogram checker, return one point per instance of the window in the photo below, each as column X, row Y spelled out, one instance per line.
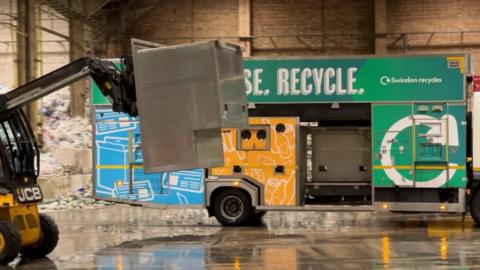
column 19, row 146
column 10, row 145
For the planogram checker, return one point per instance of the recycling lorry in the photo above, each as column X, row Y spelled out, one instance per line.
column 354, row 133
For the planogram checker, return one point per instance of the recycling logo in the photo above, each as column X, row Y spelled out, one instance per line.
column 439, row 131
column 384, row 80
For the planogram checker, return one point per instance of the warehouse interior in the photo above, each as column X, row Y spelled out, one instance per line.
column 40, row 36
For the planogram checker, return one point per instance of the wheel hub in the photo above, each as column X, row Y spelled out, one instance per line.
column 231, row 207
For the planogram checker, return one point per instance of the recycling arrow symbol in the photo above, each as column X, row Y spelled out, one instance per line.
column 384, row 80
column 437, row 134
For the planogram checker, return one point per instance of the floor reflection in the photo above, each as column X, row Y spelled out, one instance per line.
column 416, row 245
column 121, row 237
column 23, row 264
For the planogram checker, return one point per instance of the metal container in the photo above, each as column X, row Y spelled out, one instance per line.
column 186, row 94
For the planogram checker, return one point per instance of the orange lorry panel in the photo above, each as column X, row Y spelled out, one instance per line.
column 268, row 144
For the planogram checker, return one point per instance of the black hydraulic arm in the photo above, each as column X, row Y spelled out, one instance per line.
column 115, row 83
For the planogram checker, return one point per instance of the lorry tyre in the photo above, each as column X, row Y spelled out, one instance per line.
column 10, row 242
column 475, row 206
column 260, row 214
column 48, row 239
column 257, row 218
column 232, row 207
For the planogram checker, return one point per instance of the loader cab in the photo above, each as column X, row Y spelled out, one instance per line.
column 19, row 152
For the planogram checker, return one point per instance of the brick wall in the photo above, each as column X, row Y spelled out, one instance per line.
column 300, row 27
column 433, row 15
column 436, row 16
column 181, row 21
column 295, row 27
column 174, row 22
column 303, row 22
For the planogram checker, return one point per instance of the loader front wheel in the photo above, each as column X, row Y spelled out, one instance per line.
column 10, row 242
column 48, row 240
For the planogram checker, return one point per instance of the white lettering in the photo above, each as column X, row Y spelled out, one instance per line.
column 29, row 194
column 317, row 80
column 294, row 80
column 282, row 81
column 340, row 91
column 37, row 194
column 351, row 80
column 305, row 87
column 305, row 81
column 248, row 83
column 20, row 195
column 257, row 81
column 329, row 88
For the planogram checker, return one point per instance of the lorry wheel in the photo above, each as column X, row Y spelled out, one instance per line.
column 260, row 214
column 475, row 206
column 10, row 242
column 48, row 239
column 257, row 218
column 232, row 207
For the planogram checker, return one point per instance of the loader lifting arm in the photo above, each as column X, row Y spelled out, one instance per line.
column 116, row 84
column 19, row 152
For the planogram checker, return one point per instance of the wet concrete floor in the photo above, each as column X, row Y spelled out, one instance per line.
column 125, row 237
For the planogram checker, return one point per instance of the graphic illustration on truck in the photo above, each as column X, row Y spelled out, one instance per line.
column 119, row 166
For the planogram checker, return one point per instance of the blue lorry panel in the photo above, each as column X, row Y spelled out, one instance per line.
column 119, row 170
